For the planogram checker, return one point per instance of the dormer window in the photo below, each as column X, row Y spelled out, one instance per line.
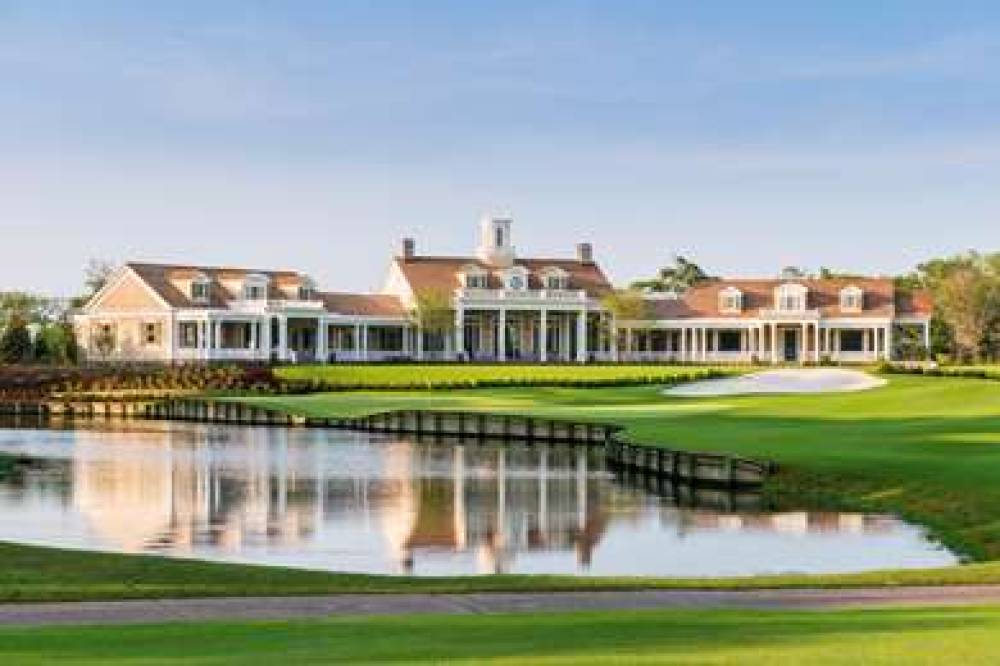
column 731, row 300
column 307, row 289
column 791, row 297
column 474, row 277
column 852, row 299
column 516, row 278
column 554, row 278
column 200, row 289
column 255, row 287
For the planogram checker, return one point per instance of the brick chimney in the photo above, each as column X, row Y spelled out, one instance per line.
column 407, row 249
column 585, row 253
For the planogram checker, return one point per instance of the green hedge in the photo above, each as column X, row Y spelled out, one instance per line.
column 967, row 372
column 404, row 383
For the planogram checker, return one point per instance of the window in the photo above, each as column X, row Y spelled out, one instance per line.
column 554, row 278
column 791, row 297
column 851, row 299
column 255, row 287
column 200, row 290
column 151, row 333
column 730, row 341
column 474, row 278
column 499, row 236
column 516, row 278
column 731, row 300
column 852, row 341
column 188, row 331
column 307, row 289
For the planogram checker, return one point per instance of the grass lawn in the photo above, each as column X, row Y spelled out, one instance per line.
column 960, row 636
column 414, row 375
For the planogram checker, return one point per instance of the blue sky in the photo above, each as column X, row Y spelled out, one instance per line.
column 312, row 135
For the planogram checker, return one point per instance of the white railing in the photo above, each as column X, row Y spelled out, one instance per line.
column 789, row 315
column 260, row 306
column 562, row 295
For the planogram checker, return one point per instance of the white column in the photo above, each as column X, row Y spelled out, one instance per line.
column 254, row 339
column 543, row 336
column 613, row 336
column 282, row 338
column 581, row 336
column 816, row 341
column 682, row 348
column 774, row 343
column 927, row 338
column 888, row 342
column 459, row 332
column 501, row 335
column 265, row 338
column 322, row 346
column 217, row 334
column 364, row 342
column 418, row 332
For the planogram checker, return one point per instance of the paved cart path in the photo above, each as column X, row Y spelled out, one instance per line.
column 260, row 608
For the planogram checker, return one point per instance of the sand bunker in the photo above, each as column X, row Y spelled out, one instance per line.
column 796, row 380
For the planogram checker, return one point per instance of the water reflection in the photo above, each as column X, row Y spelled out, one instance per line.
column 356, row 502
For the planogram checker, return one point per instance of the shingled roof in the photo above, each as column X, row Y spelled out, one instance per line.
column 702, row 300
column 444, row 273
column 160, row 277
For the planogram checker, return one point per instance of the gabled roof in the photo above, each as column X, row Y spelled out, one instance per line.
column 159, row 278
column 702, row 300
column 444, row 273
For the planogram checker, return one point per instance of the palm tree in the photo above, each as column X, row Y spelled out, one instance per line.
column 678, row 276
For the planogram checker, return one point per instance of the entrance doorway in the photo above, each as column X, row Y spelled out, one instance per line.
column 791, row 345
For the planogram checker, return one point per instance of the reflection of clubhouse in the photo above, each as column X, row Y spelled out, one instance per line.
column 172, row 489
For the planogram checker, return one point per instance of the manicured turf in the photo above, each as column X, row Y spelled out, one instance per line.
column 29, row 573
column 958, row 636
column 925, row 447
column 445, row 375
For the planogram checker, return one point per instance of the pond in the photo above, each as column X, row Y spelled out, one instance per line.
column 342, row 501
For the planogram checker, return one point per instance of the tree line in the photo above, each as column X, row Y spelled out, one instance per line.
column 38, row 329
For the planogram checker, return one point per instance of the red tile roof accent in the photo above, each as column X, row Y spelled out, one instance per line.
column 363, row 304
column 444, row 273
column 159, row 276
column 702, row 300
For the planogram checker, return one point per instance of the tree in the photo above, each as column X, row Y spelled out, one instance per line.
column 20, row 305
column 966, row 293
column 678, row 277
column 968, row 299
column 625, row 305
column 96, row 274
column 15, row 344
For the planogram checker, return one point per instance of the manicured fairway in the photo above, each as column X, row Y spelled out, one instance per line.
column 958, row 636
column 926, row 447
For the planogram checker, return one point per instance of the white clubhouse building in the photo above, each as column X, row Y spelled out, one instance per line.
column 500, row 307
